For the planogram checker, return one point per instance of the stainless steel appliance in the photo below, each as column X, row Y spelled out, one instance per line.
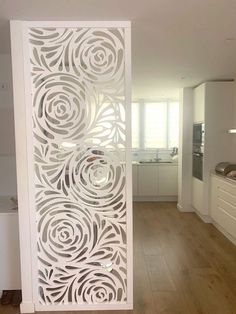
column 198, row 133
column 224, row 168
column 198, row 150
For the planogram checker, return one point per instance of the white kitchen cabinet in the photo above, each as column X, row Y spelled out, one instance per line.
column 197, row 195
column 213, row 105
column 147, row 180
column 199, row 104
column 223, row 205
column 167, row 180
column 135, row 179
column 155, row 182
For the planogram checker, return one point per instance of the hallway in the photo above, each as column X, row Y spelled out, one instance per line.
column 181, row 265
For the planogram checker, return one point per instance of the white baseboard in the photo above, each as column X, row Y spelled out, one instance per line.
column 225, row 233
column 155, row 198
column 184, row 210
column 206, row 218
column 27, row 307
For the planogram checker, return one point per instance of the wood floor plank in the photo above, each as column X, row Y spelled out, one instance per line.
column 143, row 298
column 169, row 302
column 212, row 292
column 159, row 274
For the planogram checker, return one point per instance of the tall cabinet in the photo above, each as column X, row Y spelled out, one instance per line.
column 213, row 106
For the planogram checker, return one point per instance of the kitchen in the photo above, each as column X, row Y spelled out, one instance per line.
column 155, row 140
column 155, row 172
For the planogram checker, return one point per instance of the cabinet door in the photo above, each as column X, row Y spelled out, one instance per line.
column 147, row 180
column 168, row 180
column 199, row 104
column 135, row 179
column 223, row 205
column 197, row 195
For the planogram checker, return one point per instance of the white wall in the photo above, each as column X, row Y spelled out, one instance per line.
column 234, row 123
column 185, row 150
column 7, row 138
column 6, row 98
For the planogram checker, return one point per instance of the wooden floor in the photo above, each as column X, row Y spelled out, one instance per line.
column 181, row 265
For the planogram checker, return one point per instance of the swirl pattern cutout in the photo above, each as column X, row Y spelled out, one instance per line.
column 79, row 139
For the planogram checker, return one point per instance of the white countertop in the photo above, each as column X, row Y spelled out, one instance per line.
column 223, row 177
column 163, row 163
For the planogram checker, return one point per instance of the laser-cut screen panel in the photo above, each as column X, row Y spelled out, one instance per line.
column 79, row 143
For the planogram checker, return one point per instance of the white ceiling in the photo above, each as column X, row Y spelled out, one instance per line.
column 175, row 43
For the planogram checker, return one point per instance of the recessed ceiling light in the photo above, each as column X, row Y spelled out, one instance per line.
column 232, row 131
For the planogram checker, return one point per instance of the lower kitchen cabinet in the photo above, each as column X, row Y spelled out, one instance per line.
column 167, row 180
column 147, row 180
column 157, row 182
column 197, row 196
column 135, row 179
column 223, row 206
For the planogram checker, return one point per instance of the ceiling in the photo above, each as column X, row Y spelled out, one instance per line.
column 174, row 43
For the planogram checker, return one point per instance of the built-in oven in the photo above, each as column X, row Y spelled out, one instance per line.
column 198, row 150
column 198, row 134
column 198, row 165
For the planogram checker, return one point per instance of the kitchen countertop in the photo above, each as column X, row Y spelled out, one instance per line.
column 223, row 177
column 162, row 163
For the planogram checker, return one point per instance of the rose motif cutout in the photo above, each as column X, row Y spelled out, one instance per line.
column 65, row 232
column 60, row 109
column 97, row 286
column 97, row 179
column 99, row 55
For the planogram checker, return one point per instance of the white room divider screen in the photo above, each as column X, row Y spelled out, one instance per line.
column 72, row 100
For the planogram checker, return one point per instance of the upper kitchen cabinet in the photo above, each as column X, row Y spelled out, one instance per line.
column 199, row 104
column 219, row 115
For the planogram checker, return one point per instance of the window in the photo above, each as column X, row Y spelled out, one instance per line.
column 155, row 120
column 135, row 125
column 155, row 124
column 173, row 124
